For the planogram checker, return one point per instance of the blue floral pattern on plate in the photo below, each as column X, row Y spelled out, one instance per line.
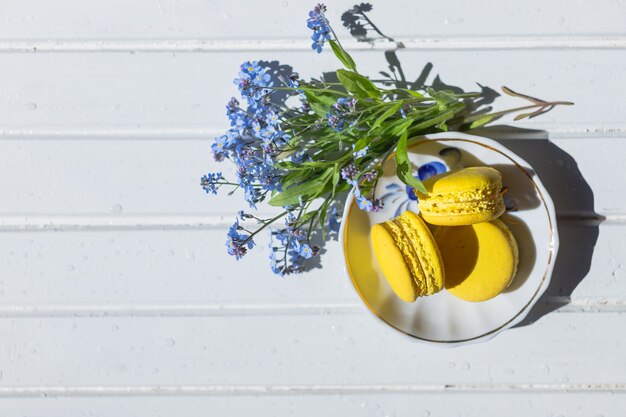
column 404, row 193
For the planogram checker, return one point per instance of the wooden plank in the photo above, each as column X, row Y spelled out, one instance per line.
column 309, row 354
column 52, row 183
column 374, row 405
column 183, row 95
column 178, row 272
column 118, row 19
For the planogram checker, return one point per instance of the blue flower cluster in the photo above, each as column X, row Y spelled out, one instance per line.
column 350, row 174
column 365, row 203
column 252, row 142
column 237, row 243
column 289, row 248
column 254, row 136
column 211, row 182
column 360, row 181
column 253, row 83
column 334, row 221
column 339, row 116
column 318, row 23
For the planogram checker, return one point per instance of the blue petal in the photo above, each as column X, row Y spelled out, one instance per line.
column 393, row 186
column 430, row 169
column 399, row 210
column 387, row 195
column 411, row 193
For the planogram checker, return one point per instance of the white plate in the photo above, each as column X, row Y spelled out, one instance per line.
column 443, row 319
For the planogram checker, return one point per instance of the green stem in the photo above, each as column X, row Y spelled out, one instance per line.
column 518, row 109
column 267, row 223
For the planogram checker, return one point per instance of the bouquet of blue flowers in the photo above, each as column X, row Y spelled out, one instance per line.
column 301, row 144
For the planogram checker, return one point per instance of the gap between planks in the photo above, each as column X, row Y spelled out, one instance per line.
column 286, row 390
column 230, row 45
column 107, row 222
column 582, row 305
column 178, row 133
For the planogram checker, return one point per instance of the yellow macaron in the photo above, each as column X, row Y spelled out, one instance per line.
column 408, row 256
column 462, row 197
column 480, row 260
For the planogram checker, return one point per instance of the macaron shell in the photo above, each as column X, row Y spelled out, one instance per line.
column 471, row 213
column 463, row 179
column 480, row 260
column 392, row 264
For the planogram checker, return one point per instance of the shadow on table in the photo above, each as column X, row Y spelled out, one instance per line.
column 577, row 222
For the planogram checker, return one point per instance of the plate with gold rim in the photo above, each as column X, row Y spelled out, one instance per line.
column 443, row 319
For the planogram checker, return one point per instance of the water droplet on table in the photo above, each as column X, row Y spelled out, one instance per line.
column 453, row 20
column 116, row 208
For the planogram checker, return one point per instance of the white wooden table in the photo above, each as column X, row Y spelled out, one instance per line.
column 117, row 297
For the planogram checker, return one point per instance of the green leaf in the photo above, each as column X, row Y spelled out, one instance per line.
column 522, row 116
column 396, row 127
column 358, row 84
column 401, row 128
column 443, row 98
column 484, row 120
column 387, row 114
column 361, row 143
column 306, row 217
column 292, row 195
column 415, row 94
column 453, row 110
column 300, row 166
column 403, row 169
column 512, row 93
column 320, row 102
column 336, row 176
column 352, row 86
column 342, row 55
column 296, row 177
column 322, row 211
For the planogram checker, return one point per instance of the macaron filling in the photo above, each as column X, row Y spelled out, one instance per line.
column 491, row 202
column 466, row 202
column 425, row 265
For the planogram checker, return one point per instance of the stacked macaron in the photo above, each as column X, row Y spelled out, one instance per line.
column 408, row 256
column 472, row 253
column 462, row 197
